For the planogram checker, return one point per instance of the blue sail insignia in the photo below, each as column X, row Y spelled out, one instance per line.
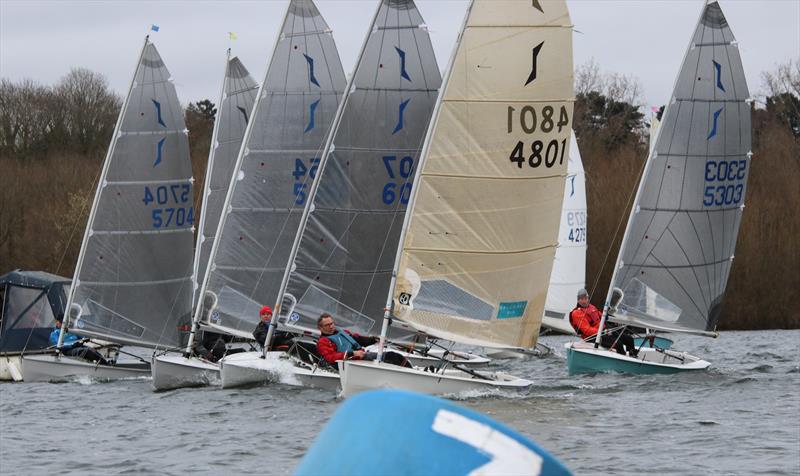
column 311, row 112
column 403, row 72
column 158, row 112
column 714, row 126
column 399, row 125
column 311, row 76
column 718, row 68
column 159, row 151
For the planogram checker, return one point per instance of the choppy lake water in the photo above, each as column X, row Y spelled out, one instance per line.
column 740, row 417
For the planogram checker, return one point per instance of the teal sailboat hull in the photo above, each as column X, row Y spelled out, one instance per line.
column 583, row 358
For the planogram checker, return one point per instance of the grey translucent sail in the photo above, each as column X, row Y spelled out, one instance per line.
column 238, row 96
column 133, row 281
column 346, row 255
column 674, row 263
column 297, row 102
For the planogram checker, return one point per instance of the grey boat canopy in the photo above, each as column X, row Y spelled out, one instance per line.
column 32, row 300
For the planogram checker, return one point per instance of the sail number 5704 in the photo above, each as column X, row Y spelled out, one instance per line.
column 538, row 153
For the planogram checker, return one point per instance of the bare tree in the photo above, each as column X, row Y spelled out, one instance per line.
column 90, row 108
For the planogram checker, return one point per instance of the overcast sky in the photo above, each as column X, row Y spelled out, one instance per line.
column 43, row 40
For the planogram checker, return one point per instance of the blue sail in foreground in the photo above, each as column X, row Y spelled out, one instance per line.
column 413, row 434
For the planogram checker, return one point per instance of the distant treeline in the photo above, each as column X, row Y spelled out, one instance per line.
column 53, row 140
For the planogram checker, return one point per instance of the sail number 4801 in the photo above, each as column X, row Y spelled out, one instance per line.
column 529, row 121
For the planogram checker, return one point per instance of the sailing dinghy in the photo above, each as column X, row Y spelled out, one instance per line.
column 238, row 94
column 678, row 246
column 477, row 244
column 269, row 184
column 341, row 261
column 132, row 282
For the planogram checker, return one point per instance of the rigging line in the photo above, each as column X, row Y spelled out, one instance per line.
column 258, row 106
column 383, row 32
column 397, row 212
column 692, row 267
column 703, row 251
column 703, row 314
column 616, row 231
column 671, row 143
column 308, row 176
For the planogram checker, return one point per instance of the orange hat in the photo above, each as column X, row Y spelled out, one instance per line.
column 265, row 310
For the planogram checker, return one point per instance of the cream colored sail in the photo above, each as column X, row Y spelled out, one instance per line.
column 479, row 242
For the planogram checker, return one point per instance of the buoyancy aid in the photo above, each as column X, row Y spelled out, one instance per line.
column 344, row 342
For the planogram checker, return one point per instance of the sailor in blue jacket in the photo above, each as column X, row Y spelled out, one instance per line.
column 73, row 346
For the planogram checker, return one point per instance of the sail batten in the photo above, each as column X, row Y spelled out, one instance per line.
column 676, row 256
column 237, row 96
column 274, row 170
column 344, row 258
column 479, row 241
column 131, row 283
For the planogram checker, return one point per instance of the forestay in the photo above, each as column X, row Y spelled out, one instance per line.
column 238, row 96
column 479, row 245
column 133, row 281
column 345, row 257
column 296, row 105
column 569, row 266
column 677, row 253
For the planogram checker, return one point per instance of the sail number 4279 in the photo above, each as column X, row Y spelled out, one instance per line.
column 538, row 153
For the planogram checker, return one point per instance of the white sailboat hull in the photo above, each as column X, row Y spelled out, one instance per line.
column 176, row 371
column 582, row 357
column 249, row 368
column 360, row 376
column 435, row 357
column 46, row 368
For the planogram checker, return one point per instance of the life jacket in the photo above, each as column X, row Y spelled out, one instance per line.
column 343, row 341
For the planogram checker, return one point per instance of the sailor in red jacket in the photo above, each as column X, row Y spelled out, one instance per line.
column 585, row 319
column 336, row 344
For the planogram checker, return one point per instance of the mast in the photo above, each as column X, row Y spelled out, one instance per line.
column 387, row 310
column 206, row 186
column 326, row 151
column 236, row 168
column 92, row 213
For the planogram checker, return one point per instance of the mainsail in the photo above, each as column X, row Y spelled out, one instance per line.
column 133, row 281
column 678, row 248
column 277, row 162
column 478, row 247
column 235, row 106
column 344, row 260
column 569, row 266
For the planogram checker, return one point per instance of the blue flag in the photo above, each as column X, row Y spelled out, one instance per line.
column 154, row 27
